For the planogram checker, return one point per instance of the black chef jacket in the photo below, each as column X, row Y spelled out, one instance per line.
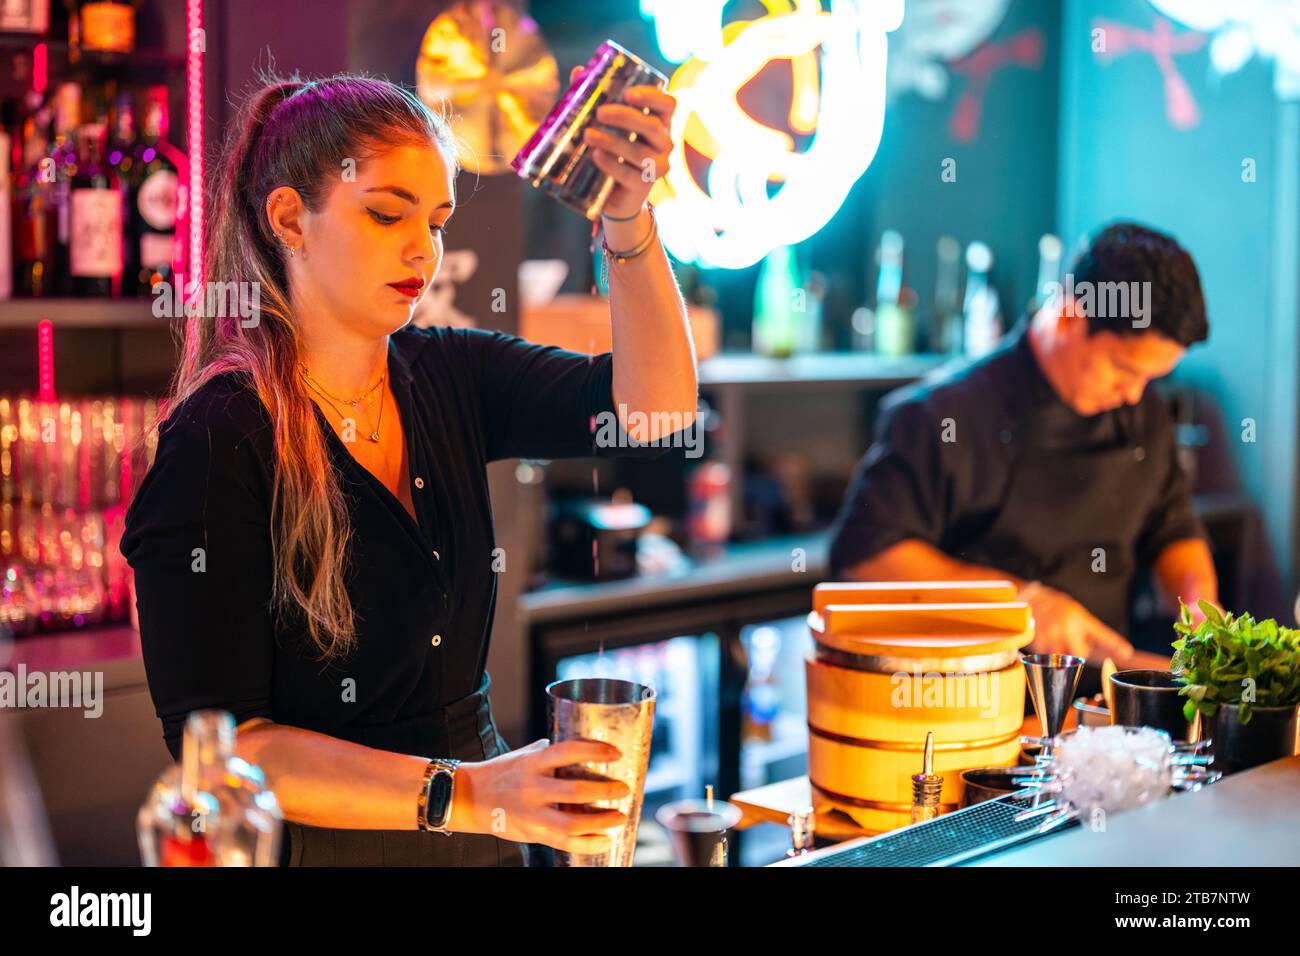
column 984, row 461
column 423, row 595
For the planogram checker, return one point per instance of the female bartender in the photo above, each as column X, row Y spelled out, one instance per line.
column 313, row 546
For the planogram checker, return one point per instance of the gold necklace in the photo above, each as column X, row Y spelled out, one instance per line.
column 367, row 396
column 374, row 435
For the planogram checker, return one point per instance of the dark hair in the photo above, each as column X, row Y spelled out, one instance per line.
column 1126, row 252
column 293, row 133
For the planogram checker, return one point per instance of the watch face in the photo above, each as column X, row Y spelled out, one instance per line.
column 439, row 799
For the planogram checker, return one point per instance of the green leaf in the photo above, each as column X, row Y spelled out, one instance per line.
column 1217, row 655
column 1210, row 611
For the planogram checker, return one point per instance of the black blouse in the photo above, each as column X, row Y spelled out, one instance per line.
column 198, row 538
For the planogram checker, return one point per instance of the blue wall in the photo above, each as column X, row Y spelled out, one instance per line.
column 1120, row 156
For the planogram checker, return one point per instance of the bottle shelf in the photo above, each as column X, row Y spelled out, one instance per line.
column 827, row 368
column 139, row 58
column 80, row 314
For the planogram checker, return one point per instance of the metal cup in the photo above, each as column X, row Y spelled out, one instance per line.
column 1052, row 680
column 1148, row 698
column 989, row 783
column 617, row 712
column 556, row 159
column 698, row 830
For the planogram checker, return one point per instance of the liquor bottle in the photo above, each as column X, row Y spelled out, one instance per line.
column 211, row 809
column 25, row 16
column 981, row 312
column 154, row 206
column 58, row 168
column 122, row 150
column 35, row 218
column 780, row 302
column 101, row 32
column 946, row 321
column 809, row 327
column 1049, row 272
column 95, row 253
column 894, row 329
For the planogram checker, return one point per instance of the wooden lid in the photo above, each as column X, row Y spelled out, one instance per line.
column 955, row 629
column 911, row 592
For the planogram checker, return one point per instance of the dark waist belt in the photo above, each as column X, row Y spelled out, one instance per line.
column 457, row 729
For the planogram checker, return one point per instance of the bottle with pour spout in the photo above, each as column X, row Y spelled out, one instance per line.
column 212, row 808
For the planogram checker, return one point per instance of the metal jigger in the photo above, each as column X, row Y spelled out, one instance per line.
column 1053, row 679
column 617, row 712
column 698, row 830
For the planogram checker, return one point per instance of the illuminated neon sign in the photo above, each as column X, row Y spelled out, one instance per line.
column 1243, row 29
column 738, row 186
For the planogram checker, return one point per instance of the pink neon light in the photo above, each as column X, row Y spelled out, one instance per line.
column 1163, row 45
column 194, row 132
column 1025, row 49
column 40, row 67
column 45, row 360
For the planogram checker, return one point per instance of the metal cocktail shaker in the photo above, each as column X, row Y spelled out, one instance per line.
column 557, row 160
column 617, row 712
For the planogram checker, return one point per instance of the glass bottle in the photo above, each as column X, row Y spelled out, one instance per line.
column 154, row 205
column 779, row 304
column 58, row 168
column 35, row 217
column 101, row 31
column 212, row 808
column 894, row 332
column 946, row 324
column 95, row 247
column 122, row 148
column 981, row 311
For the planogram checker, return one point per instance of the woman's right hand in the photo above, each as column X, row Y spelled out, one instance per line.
column 513, row 797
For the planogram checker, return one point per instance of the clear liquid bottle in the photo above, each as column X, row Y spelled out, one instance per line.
column 982, row 311
column 894, row 330
column 212, row 808
column 946, row 324
column 779, row 304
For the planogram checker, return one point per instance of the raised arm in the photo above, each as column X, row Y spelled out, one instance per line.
column 654, row 357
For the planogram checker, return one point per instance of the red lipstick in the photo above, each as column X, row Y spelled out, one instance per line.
column 409, row 287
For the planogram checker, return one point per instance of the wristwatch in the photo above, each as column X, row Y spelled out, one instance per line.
column 436, row 793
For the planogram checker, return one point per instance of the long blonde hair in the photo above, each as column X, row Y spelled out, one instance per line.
column 296, row 133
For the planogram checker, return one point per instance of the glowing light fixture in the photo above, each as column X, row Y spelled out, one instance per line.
column 1243, row 29
column 45, row 361
column 195, row 47
column 738, row 187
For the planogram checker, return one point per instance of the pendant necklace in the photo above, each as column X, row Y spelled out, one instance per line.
column 367, row 396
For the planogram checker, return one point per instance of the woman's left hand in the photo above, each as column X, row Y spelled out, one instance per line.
column 638, row 159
